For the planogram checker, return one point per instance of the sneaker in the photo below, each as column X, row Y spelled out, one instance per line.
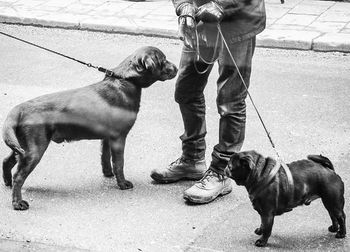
column 208, row 188
column 180, row 169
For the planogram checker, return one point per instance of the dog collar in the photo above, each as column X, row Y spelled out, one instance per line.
column 254, row 192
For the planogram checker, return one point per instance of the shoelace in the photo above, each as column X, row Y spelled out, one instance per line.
column 208, row 175
column 176, row 162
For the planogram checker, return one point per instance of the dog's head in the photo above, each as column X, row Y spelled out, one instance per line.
column 240, row 166
column 146, row 66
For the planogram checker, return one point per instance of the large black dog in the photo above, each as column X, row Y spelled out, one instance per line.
column 105, row 110
column 273, row 195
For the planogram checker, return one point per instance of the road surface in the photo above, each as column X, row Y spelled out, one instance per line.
column 303, row 97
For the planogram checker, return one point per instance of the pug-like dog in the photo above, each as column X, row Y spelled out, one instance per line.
column 105, row 110
column 271, row 193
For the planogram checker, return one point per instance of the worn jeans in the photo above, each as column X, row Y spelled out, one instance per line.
column 231, row 95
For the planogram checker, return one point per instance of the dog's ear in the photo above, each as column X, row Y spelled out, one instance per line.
column 145, row 63
column 248, row 161
column 149, row 63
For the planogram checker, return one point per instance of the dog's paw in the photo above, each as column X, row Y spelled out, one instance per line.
column 261, row 242
column 332, row 229
column 8, row 183
column 340, row 235
column 258, row 231
column 125, row 185
column 20, row 205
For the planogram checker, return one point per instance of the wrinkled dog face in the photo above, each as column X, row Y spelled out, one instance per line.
column 239, row 167
column 152, row 65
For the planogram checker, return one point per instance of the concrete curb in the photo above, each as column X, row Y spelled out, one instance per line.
column 271, row 38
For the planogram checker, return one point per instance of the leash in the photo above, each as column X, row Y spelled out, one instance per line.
column 108, row 72
column 200, row 58
column 279, row 158
column 212, row 61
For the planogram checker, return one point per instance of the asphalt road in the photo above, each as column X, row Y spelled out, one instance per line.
column 303, row 97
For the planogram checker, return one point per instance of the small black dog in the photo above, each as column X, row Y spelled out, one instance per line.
column 273, row 195
column 105, row 110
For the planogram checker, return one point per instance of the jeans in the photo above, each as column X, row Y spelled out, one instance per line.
column 231, row 95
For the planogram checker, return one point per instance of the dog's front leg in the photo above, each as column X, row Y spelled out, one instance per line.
column 265, row 229
column 117, row 151
column 106, row 158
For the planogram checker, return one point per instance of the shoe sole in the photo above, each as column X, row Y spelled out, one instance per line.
column 160, row 179
column 208, row 199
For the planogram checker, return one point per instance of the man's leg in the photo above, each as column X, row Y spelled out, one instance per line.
column 232, row 110
column 231, row 102
column 189, row 95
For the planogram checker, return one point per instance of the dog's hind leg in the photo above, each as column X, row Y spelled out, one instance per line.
column 26, row 164
column 335, row 205
column 7, row 165
column 117, row 150
column 106, row 158
column 342, row 226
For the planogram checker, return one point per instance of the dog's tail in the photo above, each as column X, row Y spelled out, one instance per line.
column 324, row 161
column 9, row 132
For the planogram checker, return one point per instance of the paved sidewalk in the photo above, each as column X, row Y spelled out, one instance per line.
column 297, row 24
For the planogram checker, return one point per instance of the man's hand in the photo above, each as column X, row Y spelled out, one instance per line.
column 187, row 25
column 210, row 12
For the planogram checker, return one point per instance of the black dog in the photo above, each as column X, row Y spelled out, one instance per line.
column 105, row 110
column 272, row 194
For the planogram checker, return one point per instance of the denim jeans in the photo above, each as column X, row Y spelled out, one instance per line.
column 231, row 95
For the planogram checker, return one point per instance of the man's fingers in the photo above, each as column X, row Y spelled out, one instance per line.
column 190, row 22
column 181, row 32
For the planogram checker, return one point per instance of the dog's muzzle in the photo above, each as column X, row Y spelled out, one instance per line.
column 170, row 72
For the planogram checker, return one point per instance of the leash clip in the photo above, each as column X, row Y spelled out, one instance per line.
column 108, row 72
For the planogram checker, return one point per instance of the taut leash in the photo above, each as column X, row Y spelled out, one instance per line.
column 212, row 61
column 279, row 158
column 108, row 72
